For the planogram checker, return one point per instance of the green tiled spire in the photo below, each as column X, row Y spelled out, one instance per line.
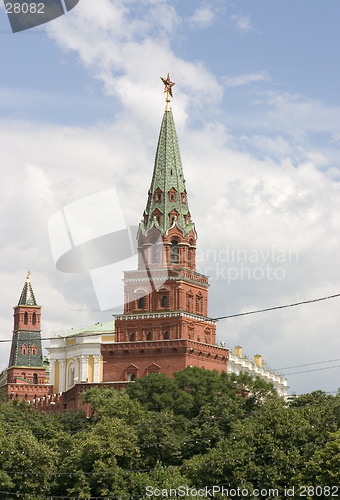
column 27, row 296
column 167, row 176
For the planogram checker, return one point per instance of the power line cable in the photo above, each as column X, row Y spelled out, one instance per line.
column 278, row 307
column 308, row 364
column 315, row 370
column 89, row 334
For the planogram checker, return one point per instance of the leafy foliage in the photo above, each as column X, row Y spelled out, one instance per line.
column 198, row 429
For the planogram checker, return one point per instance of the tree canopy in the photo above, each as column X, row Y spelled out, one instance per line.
column 197, row 430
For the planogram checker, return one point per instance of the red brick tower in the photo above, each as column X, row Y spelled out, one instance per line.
column 25, row 373
column 165, row 326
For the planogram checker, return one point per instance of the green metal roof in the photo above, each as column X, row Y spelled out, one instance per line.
column 167, row 174
column 27, row 297
column 108, row 327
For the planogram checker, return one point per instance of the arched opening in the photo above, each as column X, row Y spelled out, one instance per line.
column 164, row 301
column 132, row 337
column 198, row 338
column 199, row 300
column 35, row 378
column 24, row 349
column 25, row 318
column 191, row 254
column 174, row 252
column 158, row 195
column 72, row 373
column 34, row 350
column 166, row 335
column 155, row 253
column 188, row 302
column 132, row 377
column 141, row 303
column 23, row 375
column 34, row 319
column 149, row 336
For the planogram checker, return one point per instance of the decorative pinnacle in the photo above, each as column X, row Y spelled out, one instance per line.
column 168, row 90
column 28, row 276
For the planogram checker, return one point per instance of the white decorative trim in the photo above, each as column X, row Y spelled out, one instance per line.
column 62, row 378
column 84, row 359
column 96, row 368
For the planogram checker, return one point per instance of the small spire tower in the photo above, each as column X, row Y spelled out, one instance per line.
column 26, row 376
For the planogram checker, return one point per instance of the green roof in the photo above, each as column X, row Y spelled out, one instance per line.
column 27, row 296
column 108, row 327
column 167, row 175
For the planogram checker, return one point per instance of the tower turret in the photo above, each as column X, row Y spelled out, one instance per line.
column 167, row 235
column 25, row 375
column 26, row 348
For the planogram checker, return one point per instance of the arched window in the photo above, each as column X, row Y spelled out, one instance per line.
column 158, row 195
column 155, row 253
column 72, row 373
column 149, row 336
column 23, row 375
column 198, row 338
column 191, row 254
column 34, row 319
column 174, row 252
column 164, row 301
column 35, row 378
column 166, row 335
column 132, row 337
column 25, row 318
column 188, row 302
column 184, row 198
column 132, row 377
column 172, row 195
column 199, row 304
column 34, row 350
column 24, row 349
column 141, row 303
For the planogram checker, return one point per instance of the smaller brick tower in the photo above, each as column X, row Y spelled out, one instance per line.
column 26, row 373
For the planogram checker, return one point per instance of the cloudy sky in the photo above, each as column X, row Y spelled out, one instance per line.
column 257, row 112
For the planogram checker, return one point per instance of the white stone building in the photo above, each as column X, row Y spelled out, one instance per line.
column 75, row 357
column 237, row 364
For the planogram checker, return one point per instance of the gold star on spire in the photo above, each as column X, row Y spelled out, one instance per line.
column 168, row 89
column 168, row 84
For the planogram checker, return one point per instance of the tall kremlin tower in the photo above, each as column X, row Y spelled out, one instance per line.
column 165, row 325
column 25, row 375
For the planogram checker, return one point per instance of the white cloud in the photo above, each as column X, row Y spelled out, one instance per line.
column 284, row 201
column 243, row 23
column 236, row 81
column 276, row 147
column 299, row 112
column 202, row 18
column 132, row 46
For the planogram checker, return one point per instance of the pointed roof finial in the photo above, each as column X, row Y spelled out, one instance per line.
column 27, row 297
column 168, row 90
